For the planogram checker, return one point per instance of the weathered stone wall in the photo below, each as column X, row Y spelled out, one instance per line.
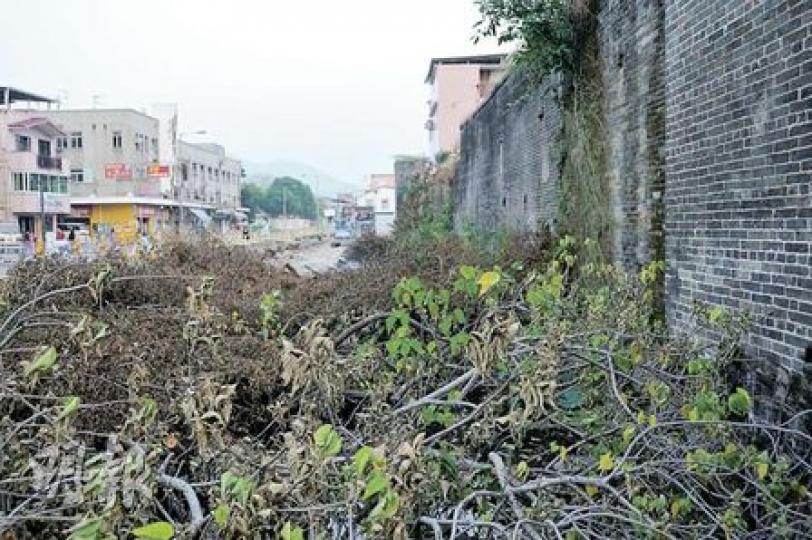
column 510, row 156
column 739, row 158
column 407, row 170
column 508, row 171
column 632, row 44
column 708, row 111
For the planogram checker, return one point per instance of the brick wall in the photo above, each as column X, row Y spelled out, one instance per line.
column 739, row 157
column 507, row 173
column 632, row 44
column 708, row 110
column 509, row 167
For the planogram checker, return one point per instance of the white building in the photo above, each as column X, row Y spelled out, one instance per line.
column 381, row 196
column 203, row 178
column 116, row 177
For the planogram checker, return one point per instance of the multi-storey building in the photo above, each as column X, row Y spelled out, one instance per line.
column 115, row 175
column 34, row 185
column 458, row 86
column 381, row 197
column 204, row 180
column 208, row 177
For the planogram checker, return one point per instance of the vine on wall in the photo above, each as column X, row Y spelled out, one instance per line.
column 560, row 36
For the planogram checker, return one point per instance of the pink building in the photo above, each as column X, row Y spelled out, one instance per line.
column 34, row 178
column 459, row 85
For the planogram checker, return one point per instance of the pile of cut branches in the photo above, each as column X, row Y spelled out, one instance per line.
column 472, row 401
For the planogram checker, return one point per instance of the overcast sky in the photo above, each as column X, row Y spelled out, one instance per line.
column 336, row 84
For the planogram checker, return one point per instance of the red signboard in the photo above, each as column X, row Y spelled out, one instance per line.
column 118, row 171
column 158, row 171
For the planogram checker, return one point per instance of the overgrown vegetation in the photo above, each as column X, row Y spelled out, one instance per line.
column 425, row 211
column 544, row 30
column 560, row 36
column 584, row 198
column 467, row 395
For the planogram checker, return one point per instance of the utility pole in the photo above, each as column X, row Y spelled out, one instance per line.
column 42, row 212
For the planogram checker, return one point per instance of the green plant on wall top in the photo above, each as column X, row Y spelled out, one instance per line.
column 546, row 31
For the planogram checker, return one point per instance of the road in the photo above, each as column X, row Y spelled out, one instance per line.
column 312, row 258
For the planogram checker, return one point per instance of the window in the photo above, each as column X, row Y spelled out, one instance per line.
column 63, row 184
column 23, row 143
column 33, row 182
column 184, row 171
column 117, row 139
column 385, row 205
column 19, row 181
column 61, row 143
column 53, row 185
column 77, row 175
column 76, row 139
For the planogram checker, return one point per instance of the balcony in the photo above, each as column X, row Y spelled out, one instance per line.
column 49, row 163
column 32, row 162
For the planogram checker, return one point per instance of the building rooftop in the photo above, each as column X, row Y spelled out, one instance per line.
column 14, row 94
column 123, row 110
column 483, row 59
column 381, row 181
column 42, row 124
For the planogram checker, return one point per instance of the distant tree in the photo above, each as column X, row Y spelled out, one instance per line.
column 286, row 195
column 252, row 196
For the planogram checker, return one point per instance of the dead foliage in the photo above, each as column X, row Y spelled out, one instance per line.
column 437, row 392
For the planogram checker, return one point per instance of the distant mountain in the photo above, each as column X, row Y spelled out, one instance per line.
column 320, row 182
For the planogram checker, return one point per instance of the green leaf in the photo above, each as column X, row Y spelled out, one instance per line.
column 761, row 470
column 487, row 281
column 289, row 532
column 387, row 506
column 458, row 342
column 716, row 314
column 376, row 482
column 571, row 398
column 220, row 515
column 69, row 407
column 628, row 434
column 606, row 463
column 239, row 487
column 327, row 440
column 361, row 459
column 87, row 529
column 160, row 530
column 468, row 272
column 740, row 402
column 42, row 363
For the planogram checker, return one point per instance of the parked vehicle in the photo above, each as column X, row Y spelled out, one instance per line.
column 10, row 232
column 339, row 236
